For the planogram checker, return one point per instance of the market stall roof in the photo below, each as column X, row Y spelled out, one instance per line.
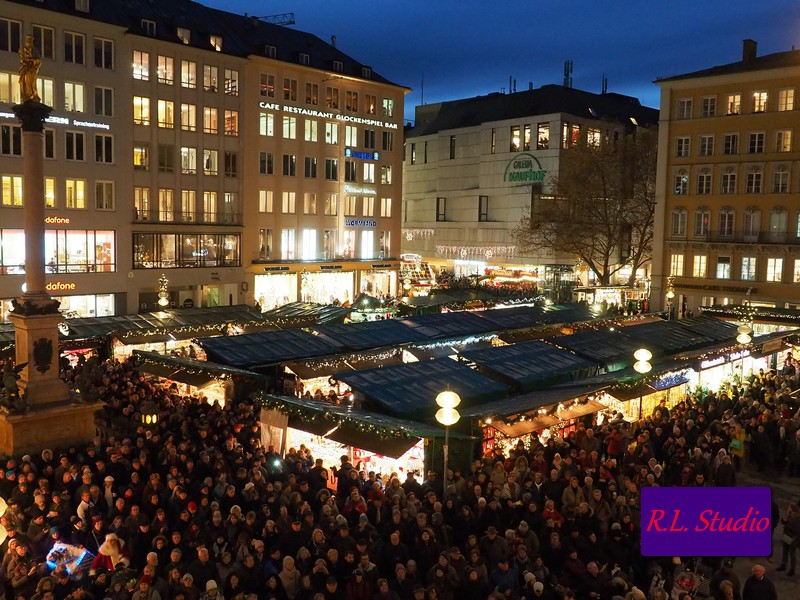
column 610, row 348
column 306, row 313
column 710, row 327
column 198, row 373
column 268, row 348
column 370, row 334
column 667, row 335
column 449, row 325
column 531, row 364
column 525, row 403
column 412, row 388
column 515, row 317
column 448, row 348
column 325, row 367
column 758, row 314
column 382, row 434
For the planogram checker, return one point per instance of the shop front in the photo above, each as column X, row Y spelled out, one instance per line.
column 330, row 286
column 275, row 289
column 79, row 306
column 379, row 281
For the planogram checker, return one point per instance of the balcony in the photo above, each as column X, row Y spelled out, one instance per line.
column 166, row 217
column 740, row 237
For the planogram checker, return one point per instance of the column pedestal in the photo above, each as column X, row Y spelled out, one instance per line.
column 54, row 426
column 36, row 338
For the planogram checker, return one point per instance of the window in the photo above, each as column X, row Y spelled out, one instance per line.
column 188, row 205
column 331, row 133
column 370, row 104
column 188, row 74
column 349, row 242
column 726, row 216
column 388, row 141
column 730, row 143
column 775, row 269
column 290, row 89
column 266, row 163
column 699, row 265
column 45, row 88
column 350, row 206
column 230, row 204
column 309, row 203
column 780, row 182
column 166, row 205
column 74, row 44
column 210, row 77
column 367, row 244
column 104, row 195
column 593, row 137
column 265, row 201
column 452, row 147
column 311, row 166
column 350, row 174
column 287, row 244
column 413, row 154
column 332, row 97
column 104, row 102
column 441, row 209
column 786, row 99
column 384, row 243
column 76, row 193
column 75, row 143
column 103, row 53
column 210, row 120
column 289, row 128
column 756, row 143
column 289, row 165
column 11, row 35
column 723, row 267
column 232, row 122
column 312, row 94
column 492, row 143
column 351, row 101
column 753, row 182
column 166, row 158
column 386, row 175
column 210, row 162
column 369, row 138
column 141, row 110
column 728, row 183
column 777, row 224
column 11, row 140
column 188, row 160
column 103, row 148
column 759, row 101
column 388, row 107
column 386, row 207
column 748, row 268
column 266, row 124
column 366, row 72
column 216, row 42
column 514, row 145
column 678, row 223
column 11, row 190
column 9, row 87
column 733, row 104
column 141, row 158
column 170, row 250
column 331, row 169
column 706, row 145
column 368, row 206
column 141, row 203
column 231, row 82
column 141, row 65
column 751, row 224
column 543, row 136
column 166, row 114
column 783, row 140
column 49, row 143
column 44, row 40
column 708, row 106
column 369, row 173
column 796, row 277
column 73, row 97
column 308, row 244
column 676, row 265
column 184, row 35
column 231, row 164
column 188, row 117
column 684, row 108
column 682, row 145
column 681, row 186
column 351, row 136
column 210, row 207
column 483, row 208
column 165, row 71
column 702, row 222
column 50, row 192
column 267, row 86
column 331, row 205
column 149, row 27
column 288, row 203
column 703, row 183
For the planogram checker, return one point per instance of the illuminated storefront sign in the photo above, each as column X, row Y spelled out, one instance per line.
column 360, row 223
column 350, row 153
column 310, row 112
column 525, row 167
column 54, row 120
column 357, row 189
column 721, row 360
column 56, row 221
column 60, row 286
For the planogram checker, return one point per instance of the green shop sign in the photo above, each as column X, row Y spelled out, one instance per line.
column 524, row 167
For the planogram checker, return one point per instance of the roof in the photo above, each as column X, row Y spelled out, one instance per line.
column 325, row 367
column 609, row 348
column 411, row 389
column 307, row 313
column 371, row 334
column 187, row 370
column 449, row 325
column 242, row 36
column 267, row 348
column 777, row 60
column 548, row 99
column 531, row 364
column 667, row 335
column 715, row 329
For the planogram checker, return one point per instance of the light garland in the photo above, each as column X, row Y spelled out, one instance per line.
column 481, row 251
column 412, row 233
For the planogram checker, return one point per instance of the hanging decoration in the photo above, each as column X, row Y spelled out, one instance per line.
column 194, row 369
column 414, row 233
column 484, row 252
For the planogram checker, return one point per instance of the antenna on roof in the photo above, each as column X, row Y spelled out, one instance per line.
column 604, row 85
column 422, row 89
column 279, row 19
column 568, row 73
column 333, row 41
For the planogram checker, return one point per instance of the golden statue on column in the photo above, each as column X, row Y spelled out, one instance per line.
column 29, row 63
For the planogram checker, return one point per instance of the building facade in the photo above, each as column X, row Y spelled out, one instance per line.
column 474, row 167
column 192, row 142
column 728, row 215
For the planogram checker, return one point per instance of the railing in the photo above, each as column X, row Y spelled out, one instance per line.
column 740, row 237
column 167, row 217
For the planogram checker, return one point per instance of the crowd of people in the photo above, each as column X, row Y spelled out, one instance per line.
column 196, row 508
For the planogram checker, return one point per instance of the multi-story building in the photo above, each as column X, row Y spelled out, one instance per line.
column 728, row 216
column 474, row 167
column 175, row 127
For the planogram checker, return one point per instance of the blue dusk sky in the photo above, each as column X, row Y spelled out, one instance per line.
column 468, row 48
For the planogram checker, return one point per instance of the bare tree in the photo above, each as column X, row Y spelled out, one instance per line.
column 603, row 208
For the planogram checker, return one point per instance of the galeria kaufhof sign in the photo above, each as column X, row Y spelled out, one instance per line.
column 310, row 112
column 524, row 167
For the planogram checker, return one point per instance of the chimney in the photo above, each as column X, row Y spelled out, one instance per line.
column 749, row 48
column 333, row 41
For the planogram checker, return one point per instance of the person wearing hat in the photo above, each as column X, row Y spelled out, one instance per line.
column 358, row 588
column 212, row 591
column 112, row 552
column 493, row 547
column 332, row 591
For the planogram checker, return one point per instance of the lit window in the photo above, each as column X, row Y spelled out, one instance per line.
column 699, row 265
column 166, row 114
column 76, row 193
column 775, row 270
column 166, row 70
column 216, row 42
column 188, row 74
column 188, row 117
column 11, row 190
column 210, row 77
column 786, row 99
column 184, row 35
column 73, row 97
column 759, row 101
column 231, row 82
column 232, row 122
column 141, row 65
column 733, row 104
column 141, row 110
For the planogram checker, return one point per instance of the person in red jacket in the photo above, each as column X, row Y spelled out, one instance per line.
column 112, row 552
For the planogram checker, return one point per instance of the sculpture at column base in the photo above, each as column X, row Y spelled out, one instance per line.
column 37, row 306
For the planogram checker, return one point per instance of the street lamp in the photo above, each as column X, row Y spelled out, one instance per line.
column 670, row 295
column 447, row 415
column 643, row 366
column 744, row 339
column 163, row 293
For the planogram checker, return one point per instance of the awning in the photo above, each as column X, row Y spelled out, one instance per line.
column 198, row 373
column 526, row 404
column 198, row 380
column 309, row 369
